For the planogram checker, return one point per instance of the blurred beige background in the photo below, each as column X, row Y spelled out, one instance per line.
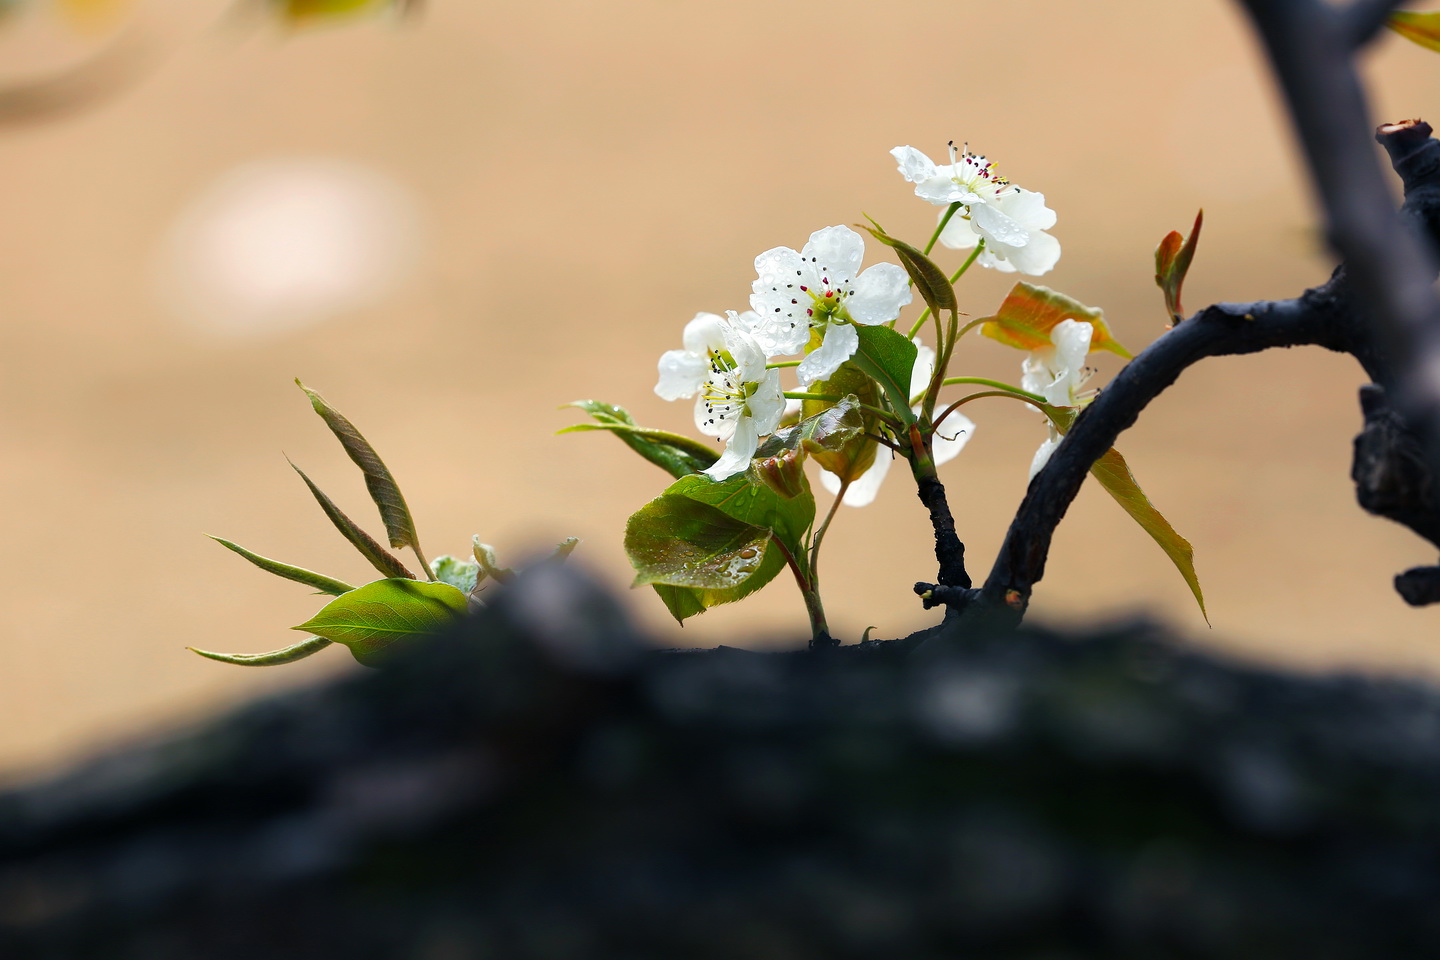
column 553, row 189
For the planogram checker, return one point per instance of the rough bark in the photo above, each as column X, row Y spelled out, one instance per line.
column 546, row 786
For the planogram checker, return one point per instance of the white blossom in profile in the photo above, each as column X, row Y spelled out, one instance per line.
column 1011, row 220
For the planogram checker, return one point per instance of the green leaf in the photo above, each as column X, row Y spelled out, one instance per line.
column 833, row 436
column 1030, row 312
column 399, row 525
column 306, row 12
column 680, row 542
column 1114, row 475
column 489, row 565
column 1421, row 28
column 677, row 455
column 888, row 358
column 310, row 578
column 684, row 603
column 562, row 550
column 1172, row 262
column 380, row 558
column 697, row 556
column 741, row 515
column 460, row 574
column 373, row 618
column 935, row 288
column 748, row 502
column 299, row 651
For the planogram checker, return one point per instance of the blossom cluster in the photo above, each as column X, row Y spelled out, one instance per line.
column 808, row 303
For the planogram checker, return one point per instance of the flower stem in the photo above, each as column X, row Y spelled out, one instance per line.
column 777, row 364
column 820, row 532
column 977, row 396
column 945, row 220
column 805, row 580
column 997, row 384
column 954, row 278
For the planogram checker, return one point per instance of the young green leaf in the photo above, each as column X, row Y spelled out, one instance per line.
column 740, row 513
column 289, row 654
column 380, row 558
column 935, row 288
column 372, row 619
column 1172, row 262
column 833, row 436
column 888, row 358
column 677, row 455
column 751, row 503
column 678, row 541
column 399, row 526
column 1030, row 312
column 1114, row 475
column 489, row 565
column 697, row 556
column 460, row 574
column 310, row 578
column 1421, row 28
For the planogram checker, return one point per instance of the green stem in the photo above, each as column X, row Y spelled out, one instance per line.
column 945, row 220
column 997, row 384
column 819, row 630
column 777, row 364
column 820, row 533
column 953, row 280
column 1026, row 398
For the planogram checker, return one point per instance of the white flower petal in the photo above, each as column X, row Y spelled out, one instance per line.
column 995, row 225
column 781, row 317
column 721, row 428
column 880, row 292
column 835, row 254
column 914, row 165
column 1072, row 343
column 737, row 453
column 746, row 352
column 924, row 368
column 959, row 233
column 942, row 190
column 1042, row 455
column 837, row 347
column 1027, row 208
column 704, row 333
column 681, row 374
column 863, row 488
column 767, row 404
column 1037, row 257
column 1035, row 375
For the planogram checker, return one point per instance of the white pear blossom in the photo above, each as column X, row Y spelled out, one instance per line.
column 739, row 402
column 1012, row 221
column 822, row 288
column 1058, row 373
column 683, row 372
column 949, row 439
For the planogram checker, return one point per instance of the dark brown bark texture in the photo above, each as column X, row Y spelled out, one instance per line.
column 1392, row 470
column 544, row 786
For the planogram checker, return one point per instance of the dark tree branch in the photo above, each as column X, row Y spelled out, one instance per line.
column 1363, row 19
column 1391, row 268
column 1380, row 307
column 1320, row 317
